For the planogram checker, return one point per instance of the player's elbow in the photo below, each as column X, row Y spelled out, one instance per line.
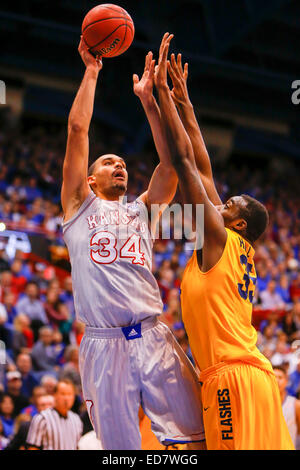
column 180, row 160
column 75, row 127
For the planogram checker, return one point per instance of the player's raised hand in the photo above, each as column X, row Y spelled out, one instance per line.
column 160, row 71
column 179, row 77
column 143, row 87
column 88, row 58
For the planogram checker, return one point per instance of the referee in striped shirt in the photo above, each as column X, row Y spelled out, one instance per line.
column 56, row 428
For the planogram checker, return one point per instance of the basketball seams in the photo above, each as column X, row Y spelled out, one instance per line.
column 132, row 29
column 105, row 19
column 120, row 49
column 116, row 9
column 121, row 45
column 93, row 47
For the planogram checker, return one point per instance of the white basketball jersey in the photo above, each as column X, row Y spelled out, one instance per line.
column 289, row 413
column 110, row 249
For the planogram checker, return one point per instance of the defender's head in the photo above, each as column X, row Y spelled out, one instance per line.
column 108, row 176
column 245, row 215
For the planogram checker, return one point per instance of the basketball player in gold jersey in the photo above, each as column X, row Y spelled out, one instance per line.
column 240, row 396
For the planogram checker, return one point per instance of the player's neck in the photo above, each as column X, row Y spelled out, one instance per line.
column 110, row 196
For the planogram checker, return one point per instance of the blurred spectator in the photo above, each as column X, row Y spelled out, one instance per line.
column 296, row 316
column 6, row 286
column 31, row 190
column 16, row 188
column 77, row 332
column 65, row 326
column 43, row 354
column 270, row 299
column 66, row 296
column 70, row 370
column 59, row 347
column 5, row 331
column 3, row 440
column 18, row 441
column 9, row 302
column 39, row 278
column 38, row 391
column 13, row 389
column 53, row 219
column 7, row 416
column 4, row 264
column 31, row 305
column 283, row 289
column 295, row 288
column 29, row 380
column 281, row 354
column 35, row 214
column 289, row 326
column 269, row 338
column 263, row 277
column 272, row 318
column 25, row 270
column 53, row 310
column 49, row 382
column 165, row 280
column 22, row 334
column 18, row 280
column 294, row 381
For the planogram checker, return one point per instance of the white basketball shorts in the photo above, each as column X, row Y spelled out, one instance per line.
column 123, row 368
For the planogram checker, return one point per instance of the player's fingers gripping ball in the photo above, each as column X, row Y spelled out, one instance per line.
column 107, row 30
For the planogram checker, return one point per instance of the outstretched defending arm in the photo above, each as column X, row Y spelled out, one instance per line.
column 75, row 187
column 182, row 156
column 163, row 184
column 185, row 108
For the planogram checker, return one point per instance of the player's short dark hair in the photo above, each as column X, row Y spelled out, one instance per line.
column 256, row 216
column 92, row 168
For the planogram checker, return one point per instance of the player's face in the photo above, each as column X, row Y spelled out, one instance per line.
column 230, row 211
column 110, row 175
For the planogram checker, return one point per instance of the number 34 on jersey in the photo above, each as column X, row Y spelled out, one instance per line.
column 103, row 248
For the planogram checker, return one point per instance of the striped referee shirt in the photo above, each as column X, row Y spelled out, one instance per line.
column 49, row 430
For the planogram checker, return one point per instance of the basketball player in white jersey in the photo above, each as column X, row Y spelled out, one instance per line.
column 128, row 357
column 290, row 405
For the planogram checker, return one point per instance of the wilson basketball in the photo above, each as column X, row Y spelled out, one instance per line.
column 107, row 30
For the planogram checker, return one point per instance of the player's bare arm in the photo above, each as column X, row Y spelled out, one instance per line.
column 180, row 95
column 164, row 180
column 182, row 156
column 75, row 187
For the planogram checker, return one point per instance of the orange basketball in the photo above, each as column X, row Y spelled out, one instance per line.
column 107, row 30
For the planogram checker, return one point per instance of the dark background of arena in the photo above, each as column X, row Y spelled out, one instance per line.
column 242, row 59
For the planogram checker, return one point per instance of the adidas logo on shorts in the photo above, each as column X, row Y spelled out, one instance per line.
column 132, row 332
